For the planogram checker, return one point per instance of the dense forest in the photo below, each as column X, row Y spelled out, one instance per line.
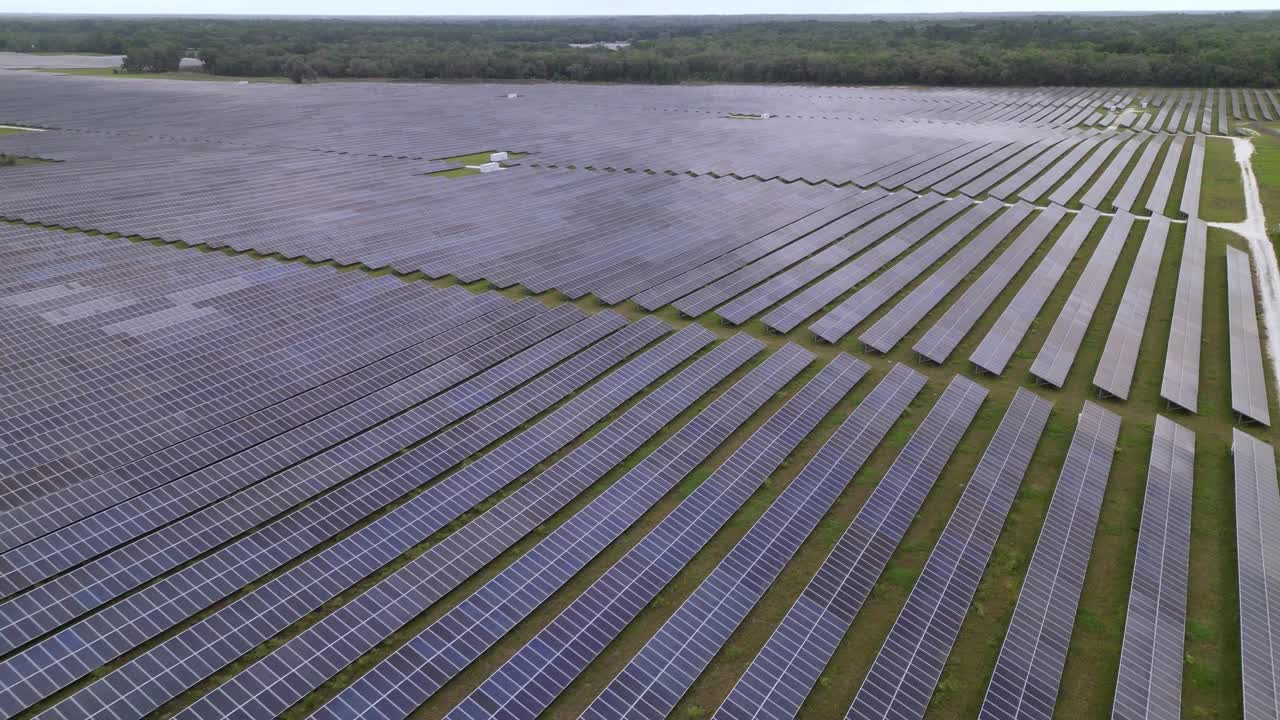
column 1167, row 49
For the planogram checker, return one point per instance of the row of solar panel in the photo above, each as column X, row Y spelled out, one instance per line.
column 791, row 660
column 777, row 680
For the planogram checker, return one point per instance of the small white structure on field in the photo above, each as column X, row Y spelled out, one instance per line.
column 498, row 156
column 489, row 167
column 512, row 96
column 765, row 116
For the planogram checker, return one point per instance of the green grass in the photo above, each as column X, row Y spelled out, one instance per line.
column 1222, row 192
column 1266, row 167
column 11, row 130
column 19, row 161
column 179, row 75
column 479, row 158
column 455, row 172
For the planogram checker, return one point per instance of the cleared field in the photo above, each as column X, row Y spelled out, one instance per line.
column 757, row 420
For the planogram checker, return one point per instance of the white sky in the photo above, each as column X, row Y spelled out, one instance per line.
column 606, row 7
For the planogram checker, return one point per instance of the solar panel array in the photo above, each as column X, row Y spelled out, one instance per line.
column 867, row 206
column 816, row 296
column 890, row 329
column 208, row 454
column 1029, row 668
column 525, row 684
column 700, row 287
column 1190, row 204
column 1149, row 682
column 1248, row 379
column 1114, row 374
column 788, row 666
column 1127, row 197
column 124, row 625
column 749, row 304
column 1257, row 552
column 1163, row 185
column 836, row 324
column 1110, row 175
column 615, row 213
column 406, row 678
column 1000, row 342
column 326, row 461
column 662, row 671
column 1180, row 384
column 1058, row 352
column 905, row 672
column 942, row 338
column 239, row 628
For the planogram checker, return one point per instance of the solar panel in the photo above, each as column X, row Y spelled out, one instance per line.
column 962, row 152
column 704, row 275
column 1127, row 197
column 1168, row 172
column 923, row 182
column 844, row 317
column 1114, row 374
column 949, row 184
column 1058, row 352
column 906, row 670
column 1190, row 204
column 528, row 682
column 405, row 679
column 413, row 408
column 1149, row 682
column 1248, row 379
column 983, row 182
column 1028, row 670
column 1111, row 174
column 873, row 203
column 904, row 316
column 943, row 337
column 429, row 372
column 787, row 667
column 1072, row 185
column 656, row 677
column 64, row 507
column 746, row 306
column 813, row 298
column 1258, row 560
column 1042, row 185
column 411, row 523
column 1024, row 176
column 883, row 174
column 1181, row 382
column 153, row 379
column 993, row 353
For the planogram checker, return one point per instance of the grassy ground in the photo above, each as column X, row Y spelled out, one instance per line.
column 11, row 130
column 17, row 161
column 1266, row 167
column 179, row 75
column 1222, row 193
column 1212, row 683
column 478, row 158
column 455, row 172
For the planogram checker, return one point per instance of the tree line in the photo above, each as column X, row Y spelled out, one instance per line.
column 1223, row 49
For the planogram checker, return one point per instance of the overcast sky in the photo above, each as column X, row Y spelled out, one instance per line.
column 606, row 7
